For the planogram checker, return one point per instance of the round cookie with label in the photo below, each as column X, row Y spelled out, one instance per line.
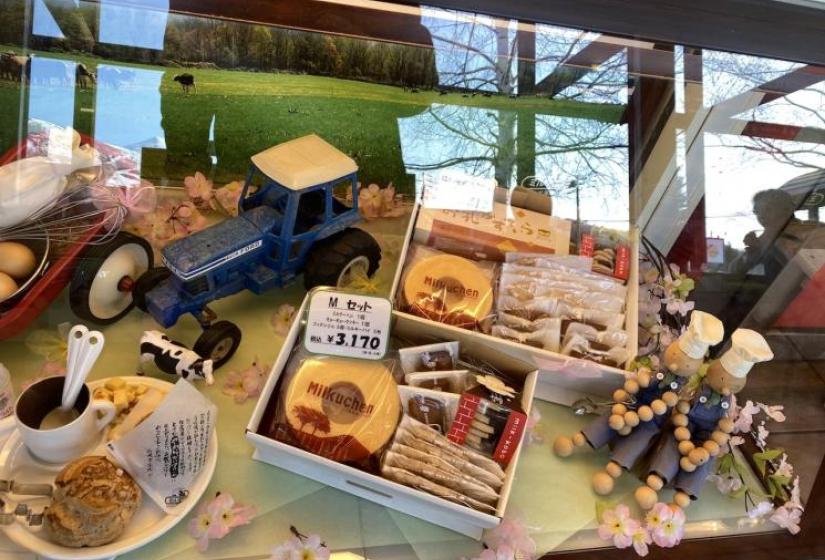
column 445, row 286
column 342, row 409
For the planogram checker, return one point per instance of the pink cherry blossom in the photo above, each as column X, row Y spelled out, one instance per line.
column 370, row 201
column 215, row 519
column 246, row 384
column 641, row 539
column 657, row 515
column 670, row 528
column 618, row 526
column 200, row 190
column 511, row 532
column 787, row 516
column 532, row 430
column 761, row 509
column 294, row 548
column 228, row 195
column 676, row 306
column 502, row 553
column 282, row 319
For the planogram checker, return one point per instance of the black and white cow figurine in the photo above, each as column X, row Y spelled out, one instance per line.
column 172, row 358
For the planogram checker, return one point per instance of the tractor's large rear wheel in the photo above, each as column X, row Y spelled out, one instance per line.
column 101, row 287
column 333, row 261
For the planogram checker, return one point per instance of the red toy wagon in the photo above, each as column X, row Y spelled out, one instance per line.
column 99, row 269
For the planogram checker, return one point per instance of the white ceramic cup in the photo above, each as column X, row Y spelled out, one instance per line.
column 68, row 442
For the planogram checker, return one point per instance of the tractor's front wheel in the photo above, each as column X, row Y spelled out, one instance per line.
column 335, row 260
column 218, row 343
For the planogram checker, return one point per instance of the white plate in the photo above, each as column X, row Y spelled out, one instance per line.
column 149, row 522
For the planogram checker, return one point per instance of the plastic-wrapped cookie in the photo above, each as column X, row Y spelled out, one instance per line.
column 92, row 504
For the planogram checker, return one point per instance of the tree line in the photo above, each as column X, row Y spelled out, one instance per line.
column 230, row 45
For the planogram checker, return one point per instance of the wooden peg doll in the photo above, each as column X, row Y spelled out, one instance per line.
column 641, row 407
column 686, row 454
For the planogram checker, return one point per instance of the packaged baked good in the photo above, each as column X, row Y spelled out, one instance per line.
column 447, row 288
column 547, row 337
column 339, row 408
column 436, row 409
column 491, row 419
column 439, row 356
column 491, row 235
column 92, row 504
column 449, row 381
column 579, row 347
column 609, row 250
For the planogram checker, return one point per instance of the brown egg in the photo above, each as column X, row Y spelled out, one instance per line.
column 7, row 286
column 16, row 260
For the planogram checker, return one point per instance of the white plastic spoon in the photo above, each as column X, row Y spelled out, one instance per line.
column 84, row 349
column 91, row 345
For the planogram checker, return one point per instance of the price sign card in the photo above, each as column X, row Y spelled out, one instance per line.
column 349, row 325
column 453, row 190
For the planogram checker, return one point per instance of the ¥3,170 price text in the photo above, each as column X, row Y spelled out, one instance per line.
column 357, row 341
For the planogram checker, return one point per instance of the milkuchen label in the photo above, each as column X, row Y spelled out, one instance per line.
column 449, row 284
column 342, row 409
column 349, row 325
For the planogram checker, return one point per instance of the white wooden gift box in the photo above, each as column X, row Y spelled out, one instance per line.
column 373, row 487
column 562, row 379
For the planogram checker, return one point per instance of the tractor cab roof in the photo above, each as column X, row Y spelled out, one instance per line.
column 304, row 162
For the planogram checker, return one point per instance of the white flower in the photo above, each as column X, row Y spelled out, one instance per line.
column 762, row 436
column 774, row 412
column 787, row 517
column 727, row 483
column 784, row 468
column 795, row 500
column 761, row 509
column 736, row 441
column 743, row 417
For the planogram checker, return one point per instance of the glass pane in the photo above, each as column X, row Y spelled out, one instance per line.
column 554, row 204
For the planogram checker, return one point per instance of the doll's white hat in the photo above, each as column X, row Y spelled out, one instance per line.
column 703, row 331
column 747, row 348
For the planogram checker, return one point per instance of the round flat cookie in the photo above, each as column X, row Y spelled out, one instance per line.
column 344, row 410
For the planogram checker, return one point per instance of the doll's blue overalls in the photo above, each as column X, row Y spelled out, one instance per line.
column 707, row 408
column 626, row 450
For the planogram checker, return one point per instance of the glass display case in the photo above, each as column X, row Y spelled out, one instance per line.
column 177, row 175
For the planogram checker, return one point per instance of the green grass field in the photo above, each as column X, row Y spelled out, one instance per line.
column 255, row 110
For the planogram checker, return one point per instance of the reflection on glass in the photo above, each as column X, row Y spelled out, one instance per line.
column 473, row 52
column 128, row 107
column 51, row 90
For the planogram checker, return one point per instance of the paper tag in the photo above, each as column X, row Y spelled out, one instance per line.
column 166, row 452
column 453, row 190
column 349, row 325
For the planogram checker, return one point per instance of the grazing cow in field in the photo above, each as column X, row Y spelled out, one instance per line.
column 15, row 67
column 82, row 76
column 186, row 81
column 172, row 358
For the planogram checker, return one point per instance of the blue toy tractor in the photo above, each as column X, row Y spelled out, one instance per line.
column 289, row 221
